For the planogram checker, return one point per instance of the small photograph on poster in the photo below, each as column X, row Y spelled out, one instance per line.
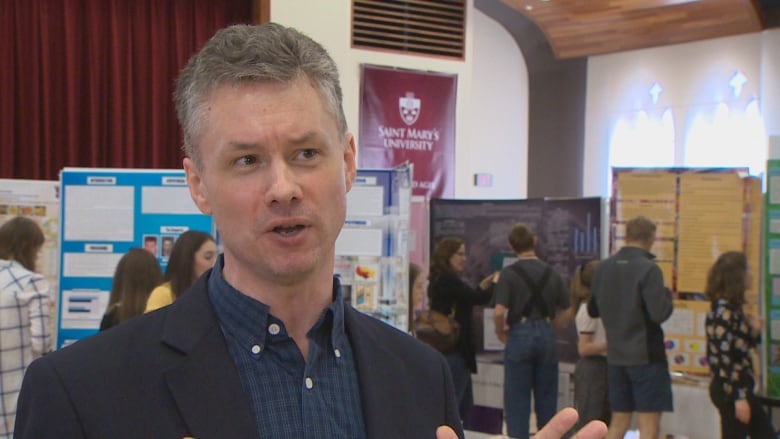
column 774, row 324
column 774, row 359
column 150, row 244
column 167, row 246
column 774, row 256
column 680, row 359
column 776, row 286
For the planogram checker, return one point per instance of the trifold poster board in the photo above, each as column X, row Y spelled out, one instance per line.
column 772, row 279
column 569, row 233
column 104, row 213
column 372, row 253
column 38, row 200
column 700, row 213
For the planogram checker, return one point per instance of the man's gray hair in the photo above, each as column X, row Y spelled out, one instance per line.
column 253, row 53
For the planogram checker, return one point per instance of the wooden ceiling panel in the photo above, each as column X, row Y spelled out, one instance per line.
column 576, row 28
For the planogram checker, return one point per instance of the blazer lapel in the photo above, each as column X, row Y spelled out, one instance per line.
column 381, row 375
column 205, row 384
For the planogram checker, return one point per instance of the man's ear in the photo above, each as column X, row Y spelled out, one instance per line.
column 197, row 186
column 350, row 161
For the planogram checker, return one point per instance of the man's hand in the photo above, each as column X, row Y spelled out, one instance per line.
column 558, row 426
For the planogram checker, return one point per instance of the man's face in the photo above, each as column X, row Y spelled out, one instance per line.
column 274, row 174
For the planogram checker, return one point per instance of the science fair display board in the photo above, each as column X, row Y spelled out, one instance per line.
column 372, row 253
column 772, row 279
column 569, row 233
column 104, row 213
column 700, row 213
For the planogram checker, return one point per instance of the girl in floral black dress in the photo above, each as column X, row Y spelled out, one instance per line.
column 731, row 334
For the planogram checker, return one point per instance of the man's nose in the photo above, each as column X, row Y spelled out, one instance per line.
column 283, row 186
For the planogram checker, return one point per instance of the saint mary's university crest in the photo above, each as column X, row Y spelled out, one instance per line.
column 409, row 107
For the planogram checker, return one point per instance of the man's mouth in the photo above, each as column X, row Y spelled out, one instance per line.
column 288, row 230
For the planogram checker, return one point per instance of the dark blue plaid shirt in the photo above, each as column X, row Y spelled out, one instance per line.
column 291, row 397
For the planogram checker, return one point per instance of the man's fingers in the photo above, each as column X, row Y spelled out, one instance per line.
column 564, row 420
column 592, row 430
column 445, row 432
column 559, row 425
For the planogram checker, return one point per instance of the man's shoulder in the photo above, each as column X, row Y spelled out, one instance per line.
column 124, row 346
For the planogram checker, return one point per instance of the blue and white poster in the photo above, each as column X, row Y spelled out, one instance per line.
column 104, row 213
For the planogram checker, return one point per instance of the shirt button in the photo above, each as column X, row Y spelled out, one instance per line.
column 274, row 328
column 337, row 352
column 256, row 349
column 309, row 383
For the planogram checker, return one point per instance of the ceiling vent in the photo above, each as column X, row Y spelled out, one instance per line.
column 425, row 27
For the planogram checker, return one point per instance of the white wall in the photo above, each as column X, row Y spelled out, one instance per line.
column 694, row 76
column 770, row 81
column 498, row 117
column 492, row 101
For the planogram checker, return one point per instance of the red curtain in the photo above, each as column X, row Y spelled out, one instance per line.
column 88, row 83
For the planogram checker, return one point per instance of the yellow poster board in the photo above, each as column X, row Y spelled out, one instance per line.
column 699, row 214
column 709, row 223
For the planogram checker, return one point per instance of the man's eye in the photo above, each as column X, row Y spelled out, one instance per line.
column 308, row 153
column 246, row 160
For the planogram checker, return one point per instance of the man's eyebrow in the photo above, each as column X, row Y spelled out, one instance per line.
column 305, row 138
column 242, row 146
column 302, row 139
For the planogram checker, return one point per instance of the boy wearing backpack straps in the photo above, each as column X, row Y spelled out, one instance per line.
column 528, row 296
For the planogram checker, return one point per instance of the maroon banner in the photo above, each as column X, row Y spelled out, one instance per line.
column 409, row 115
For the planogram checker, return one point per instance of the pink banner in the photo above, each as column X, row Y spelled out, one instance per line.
column 409, row 115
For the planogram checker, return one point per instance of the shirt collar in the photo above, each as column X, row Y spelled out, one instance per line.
column 248, row 320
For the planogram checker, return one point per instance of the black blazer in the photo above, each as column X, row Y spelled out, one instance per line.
column 168, row 374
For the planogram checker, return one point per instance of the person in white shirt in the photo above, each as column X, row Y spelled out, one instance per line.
column 590, row 373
